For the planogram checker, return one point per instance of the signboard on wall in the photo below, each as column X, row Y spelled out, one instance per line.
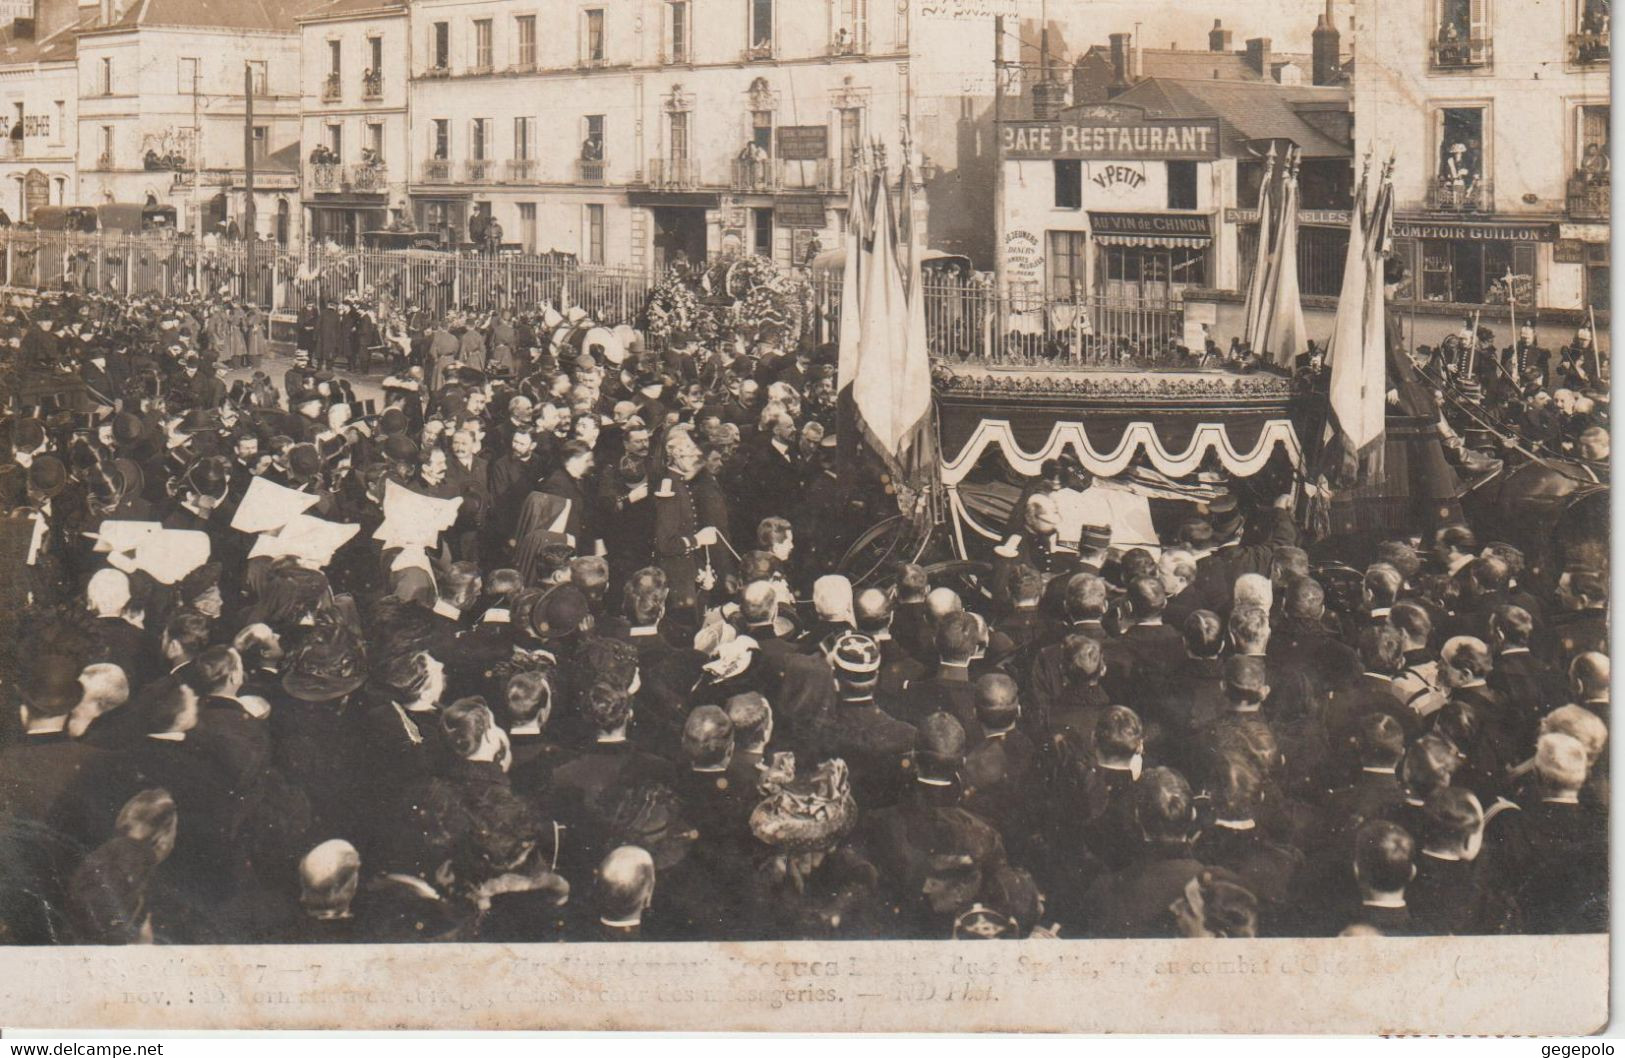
column 799, row 211
column 1475, row 231
column 1569, row 251
column 967, row 10
column 1023, row 259
column 36, row 191
column 803, row 143
column 1116, row 179
column 1149, row 223
column 1132, row 139
column 1323, row 218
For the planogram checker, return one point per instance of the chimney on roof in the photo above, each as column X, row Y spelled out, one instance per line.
column 1325, row 62
column 1218, row 38
column 1258, row 55
column 1120, row 80
column 50, row 16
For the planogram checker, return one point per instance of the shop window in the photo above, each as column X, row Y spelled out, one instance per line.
column 1068, row 183
column 1066, row 262
column 1181, row 185
column 1472, row 272
column 1321, row 255
column 1597, row 276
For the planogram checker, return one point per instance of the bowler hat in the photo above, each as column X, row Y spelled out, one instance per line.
column 560, row 612
column 47, row 476
column 326, row 668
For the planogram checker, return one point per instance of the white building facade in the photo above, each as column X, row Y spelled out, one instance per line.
column 354, row 130
column 162, row 108
column 1497, row 114
column 39, row 103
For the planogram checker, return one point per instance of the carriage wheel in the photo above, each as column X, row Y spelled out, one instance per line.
column 872, row 555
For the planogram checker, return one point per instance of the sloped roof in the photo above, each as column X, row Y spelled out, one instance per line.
column 273, row 15
column 339, row 8
column 1247, row 111
column 60, row 46
column 285, row 160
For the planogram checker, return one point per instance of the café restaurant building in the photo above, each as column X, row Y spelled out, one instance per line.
column 1153, row 194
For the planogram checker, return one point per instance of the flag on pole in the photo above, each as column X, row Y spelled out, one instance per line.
column 1356, row 350
column 1261, row 257
column 916, row 445
column 857, row 229
column 1285, row 334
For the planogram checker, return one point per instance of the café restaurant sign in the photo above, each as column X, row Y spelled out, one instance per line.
column 1145, row 139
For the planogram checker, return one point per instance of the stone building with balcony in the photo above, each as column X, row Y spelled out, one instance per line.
column 39, row 103
column 163, row 103
column 1497, row 114
column 354, row 134
column 634, row 133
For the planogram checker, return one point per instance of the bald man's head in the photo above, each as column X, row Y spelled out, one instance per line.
column 872, row 608
column 1589, row 675
column 626, row 884
column 328, row 876
column 708, row 738
column 998, row 703
column 942, row 602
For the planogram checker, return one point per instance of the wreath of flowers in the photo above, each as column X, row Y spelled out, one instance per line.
column 674, row 305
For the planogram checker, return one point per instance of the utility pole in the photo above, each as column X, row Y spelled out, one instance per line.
column 999, row 290
column 249, row 229
column 197, row 184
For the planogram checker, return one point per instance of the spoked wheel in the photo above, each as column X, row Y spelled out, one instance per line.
column 971, row 580
column 873, row 555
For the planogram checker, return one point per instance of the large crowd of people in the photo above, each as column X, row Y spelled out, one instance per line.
column 621, row 690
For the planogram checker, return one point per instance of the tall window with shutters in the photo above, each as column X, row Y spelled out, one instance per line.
column 592, row 234
column 1066, row 263
column 525, row 32
column 479, row 139
column 482, row 44
column 1462, row 36
column 677, row 31
column 593, row 48
column 851, row 33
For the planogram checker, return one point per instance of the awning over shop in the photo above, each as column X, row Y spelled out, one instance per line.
column 1164, row 242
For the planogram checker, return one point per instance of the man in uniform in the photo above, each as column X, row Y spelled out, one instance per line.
column 682, row 543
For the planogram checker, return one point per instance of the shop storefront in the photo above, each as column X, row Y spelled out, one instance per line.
column 1153, row 257
column 1466, row 263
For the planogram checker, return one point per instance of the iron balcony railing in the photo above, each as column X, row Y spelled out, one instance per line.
column 437, row 171
column 1446, row 196
column 673, row 174
column 1588, row 197
column 1469, row 54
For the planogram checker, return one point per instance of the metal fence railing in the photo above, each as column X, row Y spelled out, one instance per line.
column 965, row 319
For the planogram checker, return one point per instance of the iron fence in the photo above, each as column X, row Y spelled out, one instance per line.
column 965, row 319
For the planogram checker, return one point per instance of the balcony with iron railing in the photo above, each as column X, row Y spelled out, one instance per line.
column 590, row 170
column 765, row 175
column 369, row 178
column 437, row 171
column 1588, row 197
column 763, row 51
column 372, row 85
column 480, row 171
column 1447, row 196
column 332, row 88
column 437, row 71
column 673, row 174
column 1588, row 49
column 1470, row 54
column 326, row 177
column 520, row 170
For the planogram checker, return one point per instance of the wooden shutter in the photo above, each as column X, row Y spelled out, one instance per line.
column 1479, row 29
column 1523, row 260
